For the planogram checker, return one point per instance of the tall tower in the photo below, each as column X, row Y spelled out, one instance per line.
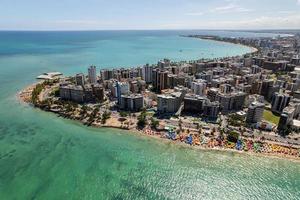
column 92, row 74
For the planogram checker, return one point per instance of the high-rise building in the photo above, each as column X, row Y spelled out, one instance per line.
column 169, row 103
column 211, row 110
column 286, row 118
column 147, row 73
column 92, row 74
column 265, row 87
column 255, row 112
column 232, row 101
column 280, row 101
column 122, row 89
column 225, row 88
column 194, row 103
column 80, row 79
column 199, row 87
column 162, row 64
column 255, row 69
column 160, row 79
column 133, row 102
column 106, row 74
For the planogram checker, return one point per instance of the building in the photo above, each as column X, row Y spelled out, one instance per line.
column 132, row 102
column 255, row 69
column 122, row 88
column 208, row 76
column 92, row 74
column 286, row 119
column 232, row 101
column 226, row 88
column 160, row 80
column 265, row 87
column 280, row 101
column 194, row 104
column 199, row 87
column 72, row 93
column 211, row 110
column 98, row 92
column 255, row 112
column 162, row 64
column 297, row 94
column 254, row 97
column 169, row 103
column 106, row 74
column 212, row 94
column 81, row 94
column 147, row 73
column 202, row 106
column 80, row 79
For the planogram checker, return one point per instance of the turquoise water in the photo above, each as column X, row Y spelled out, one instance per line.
column 46, row 157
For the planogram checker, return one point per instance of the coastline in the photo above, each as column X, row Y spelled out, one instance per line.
column 216, row 149
column 212, row 38
column 23, row 98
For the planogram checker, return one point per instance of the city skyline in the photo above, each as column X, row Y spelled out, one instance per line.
column 157, row 14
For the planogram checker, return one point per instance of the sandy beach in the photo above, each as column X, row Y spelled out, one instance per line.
column 25, row 97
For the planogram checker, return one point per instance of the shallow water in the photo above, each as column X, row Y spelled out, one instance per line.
column 46, row 157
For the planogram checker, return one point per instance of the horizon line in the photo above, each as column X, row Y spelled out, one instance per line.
column 196, row 29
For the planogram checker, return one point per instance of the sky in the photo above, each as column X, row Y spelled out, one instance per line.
column 148, row 14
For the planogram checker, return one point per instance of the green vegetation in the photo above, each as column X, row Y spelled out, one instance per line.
column 154, row 123
column 94, row 114
column 236, row 120
column 123, row 114
column 142, row 119
column 38, row 89
column 105, row 116
column 55, row 92
column 36, row 92
column 270, row 117
column 233, row 136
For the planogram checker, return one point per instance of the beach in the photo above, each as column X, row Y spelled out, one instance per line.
column 77, row 161
column 113, row 122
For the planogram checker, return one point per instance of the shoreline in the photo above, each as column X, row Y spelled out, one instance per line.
column 208, row 143
column 203, row 148
column 159, row 134
column 214, row 39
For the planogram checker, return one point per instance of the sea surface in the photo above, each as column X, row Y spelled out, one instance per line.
column 43, row 156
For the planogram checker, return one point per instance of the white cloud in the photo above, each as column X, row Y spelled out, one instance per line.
column 230, row 8
column 264, row 22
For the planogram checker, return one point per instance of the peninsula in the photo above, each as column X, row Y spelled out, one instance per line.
column 246, row 103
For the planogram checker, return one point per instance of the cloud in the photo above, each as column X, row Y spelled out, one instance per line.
column 230, row 8
column 263, row 22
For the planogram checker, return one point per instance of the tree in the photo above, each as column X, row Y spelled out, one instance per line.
column 233, row 136
column 123, row 114
column 105, row 116
column 180, row 124
column 154, row 123
column 142, row 119
column 36, row 92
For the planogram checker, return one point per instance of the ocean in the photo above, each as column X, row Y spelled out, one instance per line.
column 43, row 156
